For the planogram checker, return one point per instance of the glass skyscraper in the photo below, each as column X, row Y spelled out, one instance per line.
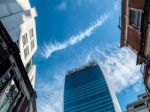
column 86, row 90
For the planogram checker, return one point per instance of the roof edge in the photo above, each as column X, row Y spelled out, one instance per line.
column 89, row 64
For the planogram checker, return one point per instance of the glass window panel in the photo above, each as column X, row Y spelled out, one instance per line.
column 4, row 80
column 31, row 33
column 26, row 52
column 7, row 97
column 24, row 39
column 32, row 44
column 135, row 18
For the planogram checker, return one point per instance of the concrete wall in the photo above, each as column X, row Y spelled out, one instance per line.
column 32, row 75
column 18, row 18
column 147, row 49
column 124, row 22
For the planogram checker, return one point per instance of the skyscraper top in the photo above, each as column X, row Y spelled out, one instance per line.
column 91, row 63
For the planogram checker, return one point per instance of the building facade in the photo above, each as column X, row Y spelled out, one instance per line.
column 135, row 32
column 16, row 91
column 18, row 18
column 142, row 105
column 87, row 90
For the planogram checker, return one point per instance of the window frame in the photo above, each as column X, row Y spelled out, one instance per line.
column 26, row 52
column 135, row 17
column 32, row 44
column 31, row 33
column 25, row 39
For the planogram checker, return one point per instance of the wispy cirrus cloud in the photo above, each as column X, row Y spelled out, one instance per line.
column 50, row 48
column 119, row 65
column 50, row 95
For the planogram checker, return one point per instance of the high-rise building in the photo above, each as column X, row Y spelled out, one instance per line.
column 18, row 18
column 142, row 105
column 135, row 32
column 88, row 90
column 16, row 91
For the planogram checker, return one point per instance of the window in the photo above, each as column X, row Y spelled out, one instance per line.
column 28, row 66
column 20, row 99
column 135, row 18
column 32, row 44
column 24, row 39
column 31, row 33
column 4, row 80
column 8, row 96
column 26, row 52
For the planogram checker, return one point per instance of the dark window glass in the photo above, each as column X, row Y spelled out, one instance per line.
column 26, row 52
column 4, row 80
column 87, row 91
column 29, row 66
column 24, row 39
column 31, row 33
column 32, row 44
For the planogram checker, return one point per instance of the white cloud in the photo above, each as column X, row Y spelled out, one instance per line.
column 51, row 48
column 50, row 95
column 119, row 65
column 62, row 6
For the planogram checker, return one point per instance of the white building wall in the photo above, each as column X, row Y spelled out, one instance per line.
column 32, row 75
column 18, row 18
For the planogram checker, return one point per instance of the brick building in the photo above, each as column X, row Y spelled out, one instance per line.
column 135, row 32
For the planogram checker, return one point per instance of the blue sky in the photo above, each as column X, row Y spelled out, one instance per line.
column 70, row 33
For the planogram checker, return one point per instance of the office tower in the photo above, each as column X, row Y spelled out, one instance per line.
column 142, row 105
column 135, row 32
column 18, row 18
column 87, row 90
column 16, row 91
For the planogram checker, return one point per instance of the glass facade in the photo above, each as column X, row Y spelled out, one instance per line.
column 86, row 91
column 8, row 96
